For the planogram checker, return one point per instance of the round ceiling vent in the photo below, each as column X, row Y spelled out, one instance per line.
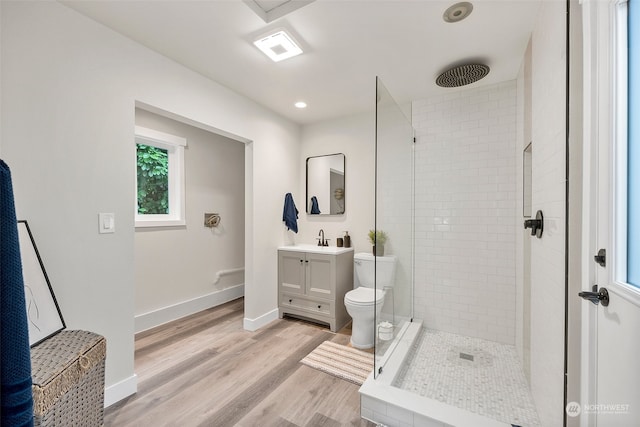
column 457, row 12
column 462, row 75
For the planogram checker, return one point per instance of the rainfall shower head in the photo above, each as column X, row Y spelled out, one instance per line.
column 462, row 75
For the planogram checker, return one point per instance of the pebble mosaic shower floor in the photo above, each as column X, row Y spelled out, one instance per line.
column 492, row 384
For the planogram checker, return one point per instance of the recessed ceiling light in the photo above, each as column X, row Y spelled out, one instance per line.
column 300, row 104
column 278, row 45
column 457, row 12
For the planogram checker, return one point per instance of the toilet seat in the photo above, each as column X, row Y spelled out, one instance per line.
column 364, row 296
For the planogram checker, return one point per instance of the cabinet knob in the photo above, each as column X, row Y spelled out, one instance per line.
column 290, row 301
column 301, row 261
column 319, row 307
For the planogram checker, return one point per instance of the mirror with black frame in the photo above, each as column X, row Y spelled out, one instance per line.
column 325, row 184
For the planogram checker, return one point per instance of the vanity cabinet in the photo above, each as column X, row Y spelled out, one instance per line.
column 312, row 284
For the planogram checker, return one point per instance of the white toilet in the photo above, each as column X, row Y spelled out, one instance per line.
column 360, row 301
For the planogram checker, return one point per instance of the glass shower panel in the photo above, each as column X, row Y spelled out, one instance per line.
column 393, row 222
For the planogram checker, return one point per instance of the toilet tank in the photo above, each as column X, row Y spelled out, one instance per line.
column 365, row 266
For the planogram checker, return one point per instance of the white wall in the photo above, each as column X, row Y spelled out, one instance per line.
column 465, row 211
column 69, row 88
column 353, row 136
column 178, row 264
column 548, row 253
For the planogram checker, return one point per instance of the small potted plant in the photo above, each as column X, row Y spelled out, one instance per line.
column 377, row 239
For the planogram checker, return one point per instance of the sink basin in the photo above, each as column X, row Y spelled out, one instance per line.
column 332, row 250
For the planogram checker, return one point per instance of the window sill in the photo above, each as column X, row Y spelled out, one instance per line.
column 160, row 223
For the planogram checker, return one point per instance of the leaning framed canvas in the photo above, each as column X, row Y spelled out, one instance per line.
column 43, row 313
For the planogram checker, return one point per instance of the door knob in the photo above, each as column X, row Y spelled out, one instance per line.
column 602, row 296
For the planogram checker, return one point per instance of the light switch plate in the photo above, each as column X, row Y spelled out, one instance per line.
column 106, row 223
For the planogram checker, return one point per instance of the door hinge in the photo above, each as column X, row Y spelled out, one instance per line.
column 601, row 258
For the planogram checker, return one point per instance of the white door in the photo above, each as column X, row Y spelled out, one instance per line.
column 611, row 338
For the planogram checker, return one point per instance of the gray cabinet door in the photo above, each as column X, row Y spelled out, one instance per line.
column 291, row 271
column 320, row 275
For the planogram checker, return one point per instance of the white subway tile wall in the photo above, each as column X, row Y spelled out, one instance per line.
column 465, row 212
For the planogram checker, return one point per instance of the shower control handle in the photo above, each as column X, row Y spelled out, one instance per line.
column 536, row 225
column 533, row 224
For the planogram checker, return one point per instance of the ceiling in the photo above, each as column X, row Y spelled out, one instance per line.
column 346, row 44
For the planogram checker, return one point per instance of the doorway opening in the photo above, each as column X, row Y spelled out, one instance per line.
column 183, row 269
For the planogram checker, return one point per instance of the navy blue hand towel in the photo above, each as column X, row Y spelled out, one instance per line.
column 290, row 213
column 15, row 359
column 315, row 209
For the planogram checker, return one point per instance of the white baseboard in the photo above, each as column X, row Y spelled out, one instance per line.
column 118, row 391
column 176, row 311
column 257, row 323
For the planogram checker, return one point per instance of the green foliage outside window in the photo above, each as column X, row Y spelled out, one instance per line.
column 153, row 180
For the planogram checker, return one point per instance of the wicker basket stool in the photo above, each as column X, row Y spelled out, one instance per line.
column 68, row 380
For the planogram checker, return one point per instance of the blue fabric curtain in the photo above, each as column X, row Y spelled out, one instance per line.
column 633, row 166
column 15, row 354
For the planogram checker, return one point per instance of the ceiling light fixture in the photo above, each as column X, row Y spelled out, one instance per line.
column 300, row 104
column 278, row 45
column 457, row 12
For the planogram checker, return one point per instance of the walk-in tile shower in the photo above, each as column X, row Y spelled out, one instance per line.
column 448, row 202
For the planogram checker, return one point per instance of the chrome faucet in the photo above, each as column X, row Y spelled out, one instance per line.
column 321, row 239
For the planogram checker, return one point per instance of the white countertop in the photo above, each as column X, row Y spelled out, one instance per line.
column 330, row 250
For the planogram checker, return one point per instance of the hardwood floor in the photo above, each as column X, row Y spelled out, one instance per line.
column 205, row 370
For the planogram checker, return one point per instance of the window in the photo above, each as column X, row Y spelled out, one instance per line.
column 159, row 178
column 626, row 147
column 633, row 145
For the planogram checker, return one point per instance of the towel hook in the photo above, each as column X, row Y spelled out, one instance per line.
column 212, row 220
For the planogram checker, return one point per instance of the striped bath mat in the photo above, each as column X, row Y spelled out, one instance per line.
column 340, row 361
